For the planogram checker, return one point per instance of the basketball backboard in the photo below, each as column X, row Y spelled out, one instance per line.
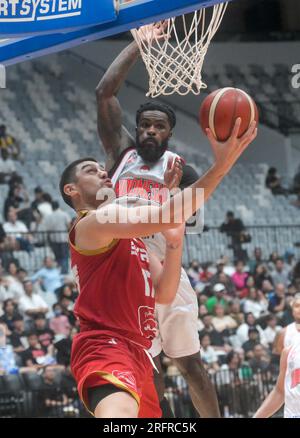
column 113, row 16
column 20, row 18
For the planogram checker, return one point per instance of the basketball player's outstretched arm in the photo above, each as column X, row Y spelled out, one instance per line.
column 114, row 136
column 275, row 399
column 166, row 277
column 112, row 221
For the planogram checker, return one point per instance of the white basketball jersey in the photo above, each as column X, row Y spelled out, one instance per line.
column 291, row 335
column 139, row 183
column 292, row 383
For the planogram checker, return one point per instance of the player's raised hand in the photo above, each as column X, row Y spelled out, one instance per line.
column 174, row 236
column 173, row 173
column 227, row 153
column 152, row 32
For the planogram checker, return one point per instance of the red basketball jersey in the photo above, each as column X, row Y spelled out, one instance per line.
column 115, row 290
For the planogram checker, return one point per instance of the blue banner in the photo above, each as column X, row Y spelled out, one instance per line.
column 29, row 17
column 133, row 14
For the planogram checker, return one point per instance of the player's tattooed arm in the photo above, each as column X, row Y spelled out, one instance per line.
column 113, row 135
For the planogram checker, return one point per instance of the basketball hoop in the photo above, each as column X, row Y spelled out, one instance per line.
column 174, row 56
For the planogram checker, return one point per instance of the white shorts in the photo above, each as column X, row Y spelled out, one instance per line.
column 177, row 323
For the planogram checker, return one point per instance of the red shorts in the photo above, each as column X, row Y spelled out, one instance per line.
column 98, row 359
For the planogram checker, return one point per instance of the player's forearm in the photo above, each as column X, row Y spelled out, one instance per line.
column 272, row 404
column 169, row 278
column 118, row 71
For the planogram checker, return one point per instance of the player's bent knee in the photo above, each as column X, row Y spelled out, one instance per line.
column 118, row 405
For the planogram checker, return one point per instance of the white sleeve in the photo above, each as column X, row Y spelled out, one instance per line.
column 41, row 302
column 23, row 305
column 23, row 228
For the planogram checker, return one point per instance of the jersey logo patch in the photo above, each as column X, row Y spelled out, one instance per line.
column 126, row 377
column 147, row 322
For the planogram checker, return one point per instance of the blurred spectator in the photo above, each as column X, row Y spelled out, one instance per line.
column 34, row 356
column 272, row 261
column 221, row 277
column 7, row 358
column 243, row 329
column 22, row 275
column 7, row 167
column 267, row 288
column 296, row 188
column 13, row 281
column 239, row 278
column 18, row 199
column 44, row 333
column 253, row 339
column 38, row 198
column 5, row 291
column 52, row 398
column 202, row 311
column 18, row 338
column 235, row 229
column 194, row 273
column 228, row 267
column 252, row 263
column 208, row 354
column 67, row 290
column 296, row 272
column 216, row 337
column 273, row 182
column 32, row 303
column 59, row 323
column 280, row 274
column 261, row 359
column 277, row 300
column 228, row 283
column 219, row 269
column 49, row 276
column 68, row 384
column 45, row 207
column 234, row 394
column 234, row 310
column 57, row 224
column 221, row 321
column 67, row 306
column 261, row 274
column 218, row 298
column 289, row 260
column 37, row 226
column 10, row 311
column 3, row 239
column 206, row 274
column 271, row 330
column 9, row 144
column 256, row 303
column 19, row 231
column 64, row 347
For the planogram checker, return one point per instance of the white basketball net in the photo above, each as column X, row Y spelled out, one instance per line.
column 174, row 63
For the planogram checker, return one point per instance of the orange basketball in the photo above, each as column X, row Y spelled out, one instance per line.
column 221, row 108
